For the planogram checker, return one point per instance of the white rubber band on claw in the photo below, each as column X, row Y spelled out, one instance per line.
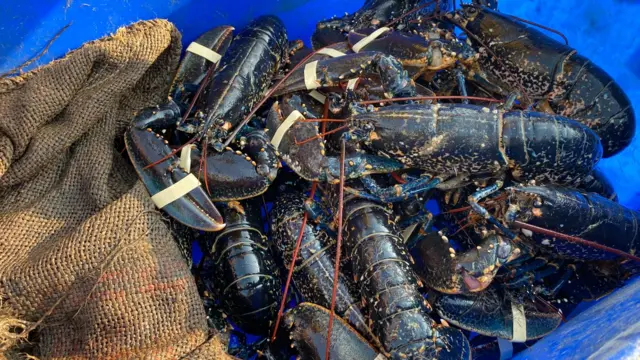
column 380, row 357
column 185, row 158
column 284, row 127
column 352, row 84
column 369, row 38
column 204, row 51
column 519, row 323
column 330, row 52
column 318, row 96
column 310, row 79
column 175, row 191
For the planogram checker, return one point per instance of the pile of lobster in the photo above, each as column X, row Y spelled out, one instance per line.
column 303, row 175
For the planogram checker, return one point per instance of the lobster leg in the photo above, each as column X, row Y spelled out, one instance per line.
column 481, row 194
column 397, row 192
column 462, row 87
column 534, row 276
column 529, row 266
column 193, row 209
column 552, row 291
column 412, row 238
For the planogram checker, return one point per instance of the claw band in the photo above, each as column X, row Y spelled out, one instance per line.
column 185, row 158
column 369, row 38
column 204, row 51
column 380, row 357
column 282, row 129
column 330, row 52
column 519, row 323
column 310, row 79
column 175, row 191
column 318, row 96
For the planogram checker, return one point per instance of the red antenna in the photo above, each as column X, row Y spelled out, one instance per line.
column 416, row 98
column 294, row 257
column 575, row 239
column 338, row 248
column 566, row 41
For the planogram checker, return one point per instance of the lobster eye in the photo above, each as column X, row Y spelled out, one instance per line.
column 471, row 10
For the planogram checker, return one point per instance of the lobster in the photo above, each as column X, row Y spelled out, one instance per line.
column 307, row 324
column 245, row 72
column 382, row 268
column 314, row 271
column 515, row 57
column 240, row 268
column 455, row 141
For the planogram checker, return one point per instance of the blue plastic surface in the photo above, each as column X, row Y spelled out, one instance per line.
column 606, row 31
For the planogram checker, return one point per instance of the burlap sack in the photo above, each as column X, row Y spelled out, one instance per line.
column 86, row 262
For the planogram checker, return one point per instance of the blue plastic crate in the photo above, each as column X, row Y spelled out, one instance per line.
column 604, row 30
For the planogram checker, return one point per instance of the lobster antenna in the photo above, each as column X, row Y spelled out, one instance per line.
column 437, row 2
column 416, row 98
column 575, row 239
column 397, row 178
column 484, row 203
column 566, row 41
column 173, row 152
column 204, row 158
column 266, row 97
column 550, row 306
column 205, row 81
column 321, row 135
column 325, row 113
column 324, row 121
column 338, row 248
column 294, row 257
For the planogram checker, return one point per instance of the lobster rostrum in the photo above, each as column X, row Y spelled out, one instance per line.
column 515, row 57
column 314, row 268
column 240, row 268
column 382, row 269
column 241, row 79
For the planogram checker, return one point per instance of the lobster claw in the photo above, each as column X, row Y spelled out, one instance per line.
column 193, row 208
